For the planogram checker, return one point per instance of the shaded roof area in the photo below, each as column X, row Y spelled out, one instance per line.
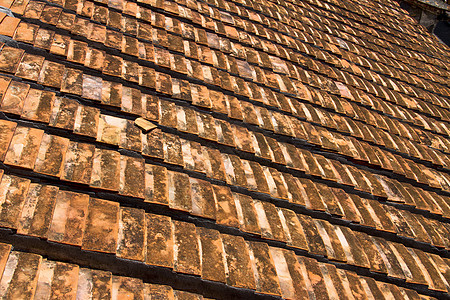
column 222, row 150
column 434, row 3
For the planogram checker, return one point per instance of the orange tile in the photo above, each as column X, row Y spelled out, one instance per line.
column 8, row 26
column 23, row 149
column 160, row 241
column 131, row 242
column 14, row 98
column 10, row 58
column 69, row 218
column 13, row 193
column 102, row 226
column 7, row 129
column 37, row 210
column 30, row 67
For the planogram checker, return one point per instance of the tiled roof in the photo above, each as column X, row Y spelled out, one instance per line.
column 222, row 150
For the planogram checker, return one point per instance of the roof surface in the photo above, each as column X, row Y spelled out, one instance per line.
column 301, row 150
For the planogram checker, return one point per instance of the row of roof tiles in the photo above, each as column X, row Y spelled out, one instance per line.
column 185, row 30
column 87, row 121
column 105, row 226
column 30, row 276
column 95, row 59
column 26, row 275
column 130, row 176
column 16, row 93
column 349, row 21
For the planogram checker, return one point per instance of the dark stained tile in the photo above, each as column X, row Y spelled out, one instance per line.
column 20, row 277
column 156, row 184
column 30, row 66
column 13, row 192
column 316, row 280
column 38, row 105
column 51, row 74
column 203, row 202
column 132, row 234
column 333, row 283
column 132, row 176
column 63, row 113
column 69, row 218
column 435, row 279
column 7, row 129
column 156, row 291
column 315, row 242
column 131, row 138
column 72, row 81
column 377, row 263
column 160, row 241
column 77, row 166
column 182, row 295
column 299, row 278
column 59, row 45
column 87, row 121
column 267, row 279
column 37, row 210
column 172, row 149
column 226, row 207
column 240, row 273
column 102, row 225
column 14, row 97
column 127, row 288
column 186, row 248
column 44, row 38
column 10, row 58
column 213, row 267
column 206, row 126
column 179, row 191
column 215, row 160
column 247, row 214
column 57, row 279
column 106, row 170
column 51, row 155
